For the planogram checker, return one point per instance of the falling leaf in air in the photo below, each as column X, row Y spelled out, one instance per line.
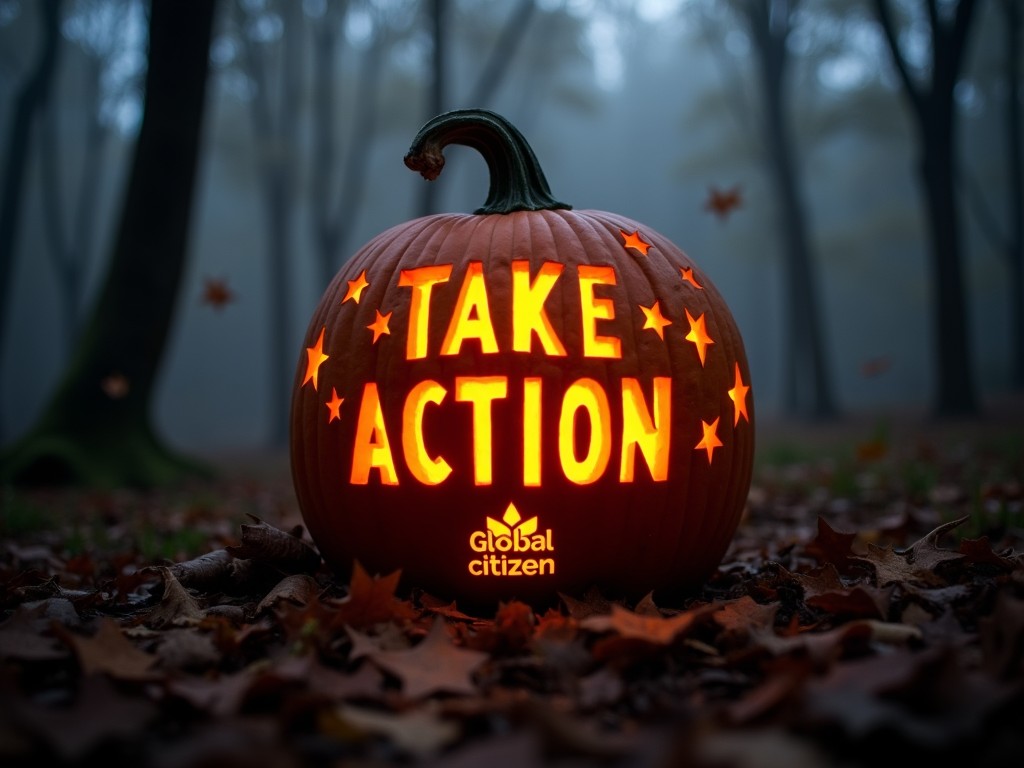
column 216, row 293
column 722, row 202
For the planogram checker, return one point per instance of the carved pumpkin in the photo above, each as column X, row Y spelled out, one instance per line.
column 521, row 401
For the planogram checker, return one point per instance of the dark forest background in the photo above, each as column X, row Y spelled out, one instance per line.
column 184, row 183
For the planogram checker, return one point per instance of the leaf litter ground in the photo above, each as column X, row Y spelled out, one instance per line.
column 870, row 607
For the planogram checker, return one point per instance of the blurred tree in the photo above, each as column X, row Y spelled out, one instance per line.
column 930, row 92
column 487, row 83
column 30, row 99
column 275, row 112
column 98, row 26
column 333, row 216
column 97, row 428
column 807, row 384
column 1009, row 240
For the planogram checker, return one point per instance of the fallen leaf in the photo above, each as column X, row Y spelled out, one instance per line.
column 420, row 732
column 370, row 601
column 109, row 652
column 274, row 547
column 433, row 665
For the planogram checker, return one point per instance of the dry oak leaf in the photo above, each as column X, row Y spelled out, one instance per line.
column 272, row 546
column 433, row 665
column 298, row 589
column 176, row 607
column 917, row 562
column 109, row 652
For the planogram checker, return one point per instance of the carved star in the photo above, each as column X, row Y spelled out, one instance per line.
column 334, row 406
column 634, row 241
column 688, row 277
column 710, row 440
column 355, row 288
column 655, row 320
column 738, row 395
column 698, row 335
column 380, row 325
column 314, row 359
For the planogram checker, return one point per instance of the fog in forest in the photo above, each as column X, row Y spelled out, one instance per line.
column 645, row 109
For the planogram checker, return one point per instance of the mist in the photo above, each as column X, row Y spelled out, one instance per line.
column 642, row 109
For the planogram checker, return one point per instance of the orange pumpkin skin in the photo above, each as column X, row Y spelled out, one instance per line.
column 624, row 536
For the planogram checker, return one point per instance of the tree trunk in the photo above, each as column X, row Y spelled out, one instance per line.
column 934, row 109
column 955, row 394
column 97, row 429
column 1015, row 199
column 807, row 385
column 32, row 95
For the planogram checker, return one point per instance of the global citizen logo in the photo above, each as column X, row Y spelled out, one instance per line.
column 505, row 545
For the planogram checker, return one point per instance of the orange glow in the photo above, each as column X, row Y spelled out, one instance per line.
column 481, row 391
column 588, row 395
column 640, row 430
column 710, row 440
column 531, row 432
column 314, row 359
column 634, row 241
column 472, row 316
column 594, row 309
column 379, row 325
column 421, row 280
column 371, row 449
column 655, row 320
column 334, row 406
column 698, row 335
column 688, row 277
column 738, row 395
column 528, row 314
column 356, row 287
column 425, row 469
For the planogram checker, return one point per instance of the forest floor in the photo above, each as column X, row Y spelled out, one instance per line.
column 870, row 607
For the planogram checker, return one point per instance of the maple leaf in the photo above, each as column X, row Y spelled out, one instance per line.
column 371, row 600
column 656, row 630
column 216, row 293
column 743, row 613
column 433, row 665
column 832, row 546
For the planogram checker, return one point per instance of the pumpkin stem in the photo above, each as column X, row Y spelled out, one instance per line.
column 517, row 181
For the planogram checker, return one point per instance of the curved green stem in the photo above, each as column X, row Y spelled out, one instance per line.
column 517, row 181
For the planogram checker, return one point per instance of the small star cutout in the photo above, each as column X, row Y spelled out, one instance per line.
column 698, row 335
column 355, row 288
column 314, row 359
column 738, row 395
column 634, row 241
column 710, row 440
column 688, row 277
column 334, row 406
column 655, row 320
column 380, row 325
